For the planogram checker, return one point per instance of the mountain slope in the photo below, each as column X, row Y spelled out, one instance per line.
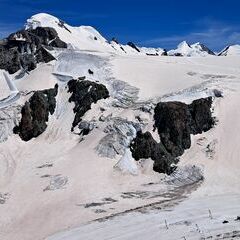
column 78, row 170
column 233, row 50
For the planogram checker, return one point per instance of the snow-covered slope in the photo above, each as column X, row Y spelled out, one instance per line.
column 233, row 50
column 196, row 49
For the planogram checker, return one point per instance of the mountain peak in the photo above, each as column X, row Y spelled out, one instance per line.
column 196, row 49
column 41, row 20
column 202, row 48
column 183, row 44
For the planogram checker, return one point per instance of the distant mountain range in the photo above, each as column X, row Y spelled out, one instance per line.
column 88, row 38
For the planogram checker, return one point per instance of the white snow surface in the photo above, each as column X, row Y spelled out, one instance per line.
column 57, row 187
column 127, row 164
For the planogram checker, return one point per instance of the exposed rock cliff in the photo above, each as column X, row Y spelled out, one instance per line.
column 25, row 48
column 35, row 114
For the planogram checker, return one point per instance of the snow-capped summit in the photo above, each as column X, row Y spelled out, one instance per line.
column 184, row 46
column 82, row 37
column 87, row 37
column 202, row 48
column 232, row 50
column 196, row 49
column 183, row 49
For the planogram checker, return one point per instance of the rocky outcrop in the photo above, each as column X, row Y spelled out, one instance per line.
column 175, row 122
column 172, row 120
column 201, row 115
column 115, row 40
column 164, row 53
column 25, row 48
column 84, row 93
column 132, row 45
column 35, row 114
column 144, row 146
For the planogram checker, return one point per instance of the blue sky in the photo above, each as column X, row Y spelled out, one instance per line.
column 157, row 23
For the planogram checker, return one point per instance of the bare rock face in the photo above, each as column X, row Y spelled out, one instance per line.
column 132, row 45
column 144, row 146
column 84, row 93
column 9, row 59
column 201, row 114
column 172, row 122
column 25, row 48
column 175, row 122
column 35, row 114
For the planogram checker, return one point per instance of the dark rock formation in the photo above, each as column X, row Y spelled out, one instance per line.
column 144, row 146
column 217, row 93
column 164, row 53
column 26, row 48
column 115, row 40
column 35, row 114
column 175, row 122
column 152, row 54
column 86, row 127
column 122, row 49
column 172, row 122
column 51, row 97
column 178, row 55
column 61, row 24
column 84, row 93
column 90, row 72
column 201, row 115
column 132, row 45
column 9, row 59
